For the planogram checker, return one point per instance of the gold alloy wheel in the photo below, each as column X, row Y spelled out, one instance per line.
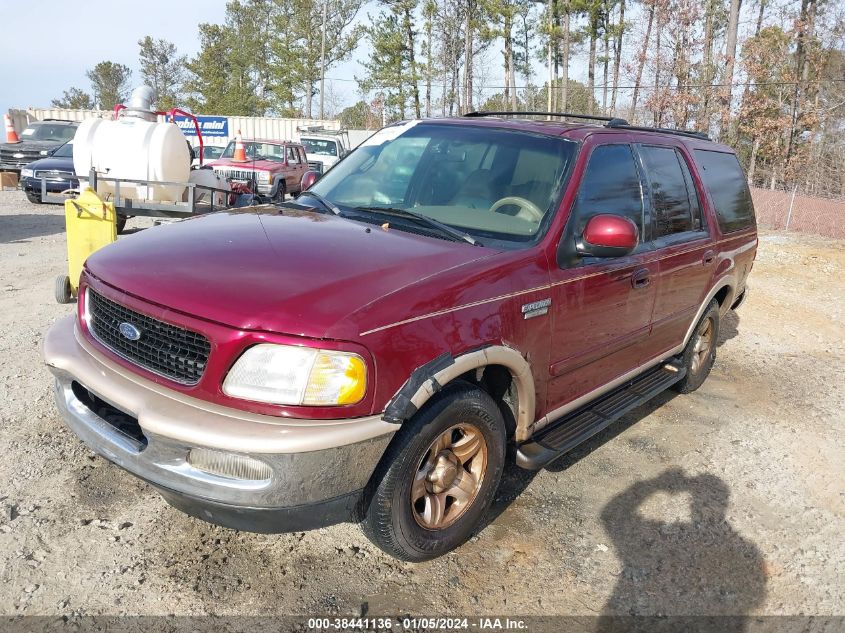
column 703, row 342
column 449, row 476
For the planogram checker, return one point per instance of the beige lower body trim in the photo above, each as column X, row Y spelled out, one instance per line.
column 173, row 415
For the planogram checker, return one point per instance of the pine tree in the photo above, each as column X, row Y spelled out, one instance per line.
column 163, row 70
column 110, row 83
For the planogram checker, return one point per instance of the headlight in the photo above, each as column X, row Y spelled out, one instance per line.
column 27, row 173
column 263, row 176
column 284, row 374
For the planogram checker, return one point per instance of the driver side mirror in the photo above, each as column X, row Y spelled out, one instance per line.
column 308, row 179
column 607, row 235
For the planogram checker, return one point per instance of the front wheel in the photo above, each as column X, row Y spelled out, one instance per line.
column 279, row 196
column 700, row 352
column 34, row 198
column 438, row 476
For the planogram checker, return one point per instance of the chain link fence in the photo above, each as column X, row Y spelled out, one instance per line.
column 792, row 211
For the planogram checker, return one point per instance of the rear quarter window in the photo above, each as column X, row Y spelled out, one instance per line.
column 725, row 182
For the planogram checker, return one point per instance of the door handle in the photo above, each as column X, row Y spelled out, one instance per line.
column 641, row 278
column 709, row 256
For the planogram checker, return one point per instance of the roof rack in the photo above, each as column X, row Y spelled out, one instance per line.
column 320, row 129
column 662, row 130
column 612, row 122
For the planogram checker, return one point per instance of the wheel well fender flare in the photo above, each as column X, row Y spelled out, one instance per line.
column 428, row 379
column 721, row 284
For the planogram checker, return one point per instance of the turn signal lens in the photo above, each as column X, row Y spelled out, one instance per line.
column 336, row 378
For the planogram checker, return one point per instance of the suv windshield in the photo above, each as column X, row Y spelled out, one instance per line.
column 494, row 184
column 49, row 132
column 257, row 151
column 65, row 151
column 320, row 146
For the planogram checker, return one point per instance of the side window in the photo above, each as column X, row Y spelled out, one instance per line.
column 293, row 156
column 611, row 184
column 725, row 182
column 669, row 195
column 302, row 157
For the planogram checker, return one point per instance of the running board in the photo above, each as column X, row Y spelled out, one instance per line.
column 569, row 431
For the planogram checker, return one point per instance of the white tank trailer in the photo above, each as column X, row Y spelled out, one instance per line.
column 135, row 146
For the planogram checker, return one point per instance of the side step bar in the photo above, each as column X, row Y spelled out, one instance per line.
column 576, row 427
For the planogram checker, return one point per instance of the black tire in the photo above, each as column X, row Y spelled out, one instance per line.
column 697, row 356
column 120, row 223
column 63, row 291
column 390, row 517
column 34, row 198
column 280, row 192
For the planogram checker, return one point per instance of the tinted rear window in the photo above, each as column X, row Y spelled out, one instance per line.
column 725, row 182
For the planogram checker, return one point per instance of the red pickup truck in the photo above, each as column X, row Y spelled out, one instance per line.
column 370, row 352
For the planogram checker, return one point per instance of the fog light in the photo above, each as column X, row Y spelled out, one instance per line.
column 229, row 465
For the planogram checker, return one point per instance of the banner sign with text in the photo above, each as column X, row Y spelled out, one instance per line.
column 209, row 125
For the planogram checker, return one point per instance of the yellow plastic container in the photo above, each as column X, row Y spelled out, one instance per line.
column 90, row 224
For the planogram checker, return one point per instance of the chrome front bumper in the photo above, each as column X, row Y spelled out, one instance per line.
column 312, row 461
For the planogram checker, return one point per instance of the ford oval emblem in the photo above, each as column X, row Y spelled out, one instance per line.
column 129, row 331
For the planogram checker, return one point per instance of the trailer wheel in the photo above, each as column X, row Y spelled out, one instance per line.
column 63, row 290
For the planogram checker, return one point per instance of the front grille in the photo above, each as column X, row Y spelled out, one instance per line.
column 315, row 165
column 163, row 349
column 7, row 156
column 237, row 174
column 55, row 175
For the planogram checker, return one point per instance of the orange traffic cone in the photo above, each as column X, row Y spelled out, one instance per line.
column 11, row 135
column 240, row 151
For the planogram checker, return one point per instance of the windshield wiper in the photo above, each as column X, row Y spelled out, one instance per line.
column 455, row 234
column 326, row 204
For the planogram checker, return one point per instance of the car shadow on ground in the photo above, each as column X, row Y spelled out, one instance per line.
column 516, row 480
column 728, row 327
column 25, row 226
column 674, row 573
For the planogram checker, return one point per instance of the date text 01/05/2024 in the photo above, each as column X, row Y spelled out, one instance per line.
column 418, row 623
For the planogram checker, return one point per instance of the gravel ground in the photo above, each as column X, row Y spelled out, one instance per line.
column 728, row 500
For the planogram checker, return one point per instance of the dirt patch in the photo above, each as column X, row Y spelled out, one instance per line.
column 743, row 479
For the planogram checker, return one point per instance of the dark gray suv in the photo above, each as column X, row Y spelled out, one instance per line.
column 38, row 140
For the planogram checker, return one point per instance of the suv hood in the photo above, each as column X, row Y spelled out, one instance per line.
column 278, row 270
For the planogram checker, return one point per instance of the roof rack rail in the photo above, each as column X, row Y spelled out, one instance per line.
column 588, row 117
column 613, row 122
column 663, row 130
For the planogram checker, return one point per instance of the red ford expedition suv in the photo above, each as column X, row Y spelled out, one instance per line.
column 369, row 351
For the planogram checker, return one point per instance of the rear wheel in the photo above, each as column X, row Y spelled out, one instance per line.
column 438, row 476
column 700, row 352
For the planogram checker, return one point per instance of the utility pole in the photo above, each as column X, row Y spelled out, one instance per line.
column 323, row 64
